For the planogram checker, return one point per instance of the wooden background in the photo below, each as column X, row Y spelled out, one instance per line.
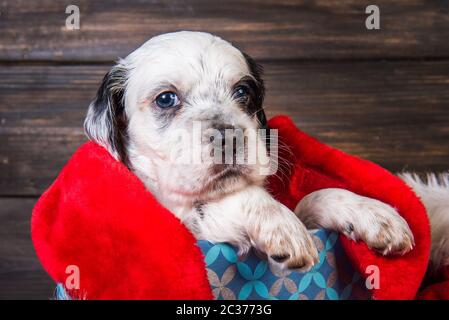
column 382, row 95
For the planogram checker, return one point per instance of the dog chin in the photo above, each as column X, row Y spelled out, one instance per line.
column 226, row 179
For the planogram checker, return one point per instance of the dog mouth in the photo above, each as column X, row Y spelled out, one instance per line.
column 229, row 173
column 223, row 177
column 223, row 172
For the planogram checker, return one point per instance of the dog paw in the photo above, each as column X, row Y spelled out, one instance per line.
column 380, row 226
column 286, row 241
column 360, row 218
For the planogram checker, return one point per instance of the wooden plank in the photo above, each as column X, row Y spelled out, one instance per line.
column 268, row 29
column 41, row 115
column 393, row 113
column 21, row 274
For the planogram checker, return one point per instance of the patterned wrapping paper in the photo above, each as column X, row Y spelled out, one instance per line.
column 253, row 278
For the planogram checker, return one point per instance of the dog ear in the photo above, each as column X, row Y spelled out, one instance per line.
column 106, row 122
column 257, row 72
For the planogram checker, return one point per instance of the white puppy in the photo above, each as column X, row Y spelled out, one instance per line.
column 151, row 100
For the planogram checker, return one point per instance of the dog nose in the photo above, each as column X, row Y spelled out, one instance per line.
column 222, row 129
column 221, row 139
column 226, row 142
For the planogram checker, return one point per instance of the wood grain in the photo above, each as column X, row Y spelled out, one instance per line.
column 393, row 113
column 21, row 274
column 382, row 95
column 267, row 29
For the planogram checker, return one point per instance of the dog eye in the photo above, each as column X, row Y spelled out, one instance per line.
column 167, row 100
column 241, row 93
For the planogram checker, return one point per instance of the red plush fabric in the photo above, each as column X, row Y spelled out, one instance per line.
column 436, row 286
column 317, row 166
column 98, row 216
column 436, row 291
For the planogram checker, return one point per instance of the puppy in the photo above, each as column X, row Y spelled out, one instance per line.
column 177, row 80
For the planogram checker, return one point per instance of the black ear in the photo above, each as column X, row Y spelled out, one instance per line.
column 106, row 122
column 257, row 72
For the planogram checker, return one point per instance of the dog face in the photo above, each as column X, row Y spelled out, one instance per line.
column 177, row 87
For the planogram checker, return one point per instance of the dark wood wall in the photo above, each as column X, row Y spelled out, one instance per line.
column 381, row 94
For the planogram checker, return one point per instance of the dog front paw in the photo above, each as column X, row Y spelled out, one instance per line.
column 381, row 227
column 360, row 218
column 286, row 241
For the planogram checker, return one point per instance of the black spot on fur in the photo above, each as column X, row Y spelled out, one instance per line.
column 108, row 111
column 349, row 228
column 257, row 105
column 199, row 207
column 258, row 87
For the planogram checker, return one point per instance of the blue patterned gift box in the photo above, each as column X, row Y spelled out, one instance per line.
column 253, row 278
column 333, row 278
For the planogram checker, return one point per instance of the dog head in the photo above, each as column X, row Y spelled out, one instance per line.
column 150, row 106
